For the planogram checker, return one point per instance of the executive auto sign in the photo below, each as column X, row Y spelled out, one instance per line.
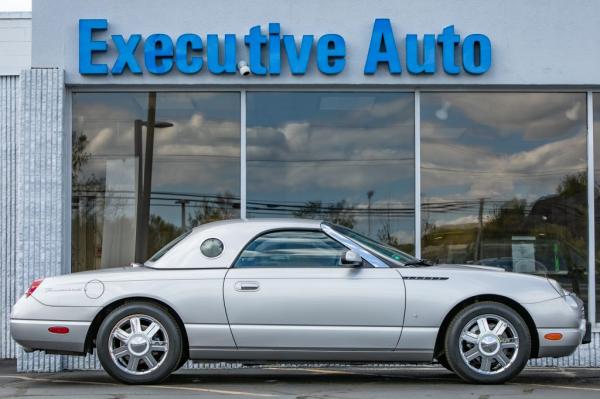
column 190, row 54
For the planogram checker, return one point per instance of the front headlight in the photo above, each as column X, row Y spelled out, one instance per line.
column 556, row 285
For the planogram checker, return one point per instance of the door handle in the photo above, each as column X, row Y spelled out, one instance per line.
column 244, row 286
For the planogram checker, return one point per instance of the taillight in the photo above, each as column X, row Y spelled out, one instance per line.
column 34, row 285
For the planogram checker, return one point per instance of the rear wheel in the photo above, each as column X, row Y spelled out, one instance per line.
column 487, row 343
column 139, row 343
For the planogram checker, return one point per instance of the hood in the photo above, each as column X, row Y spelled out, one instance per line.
column 467, row 267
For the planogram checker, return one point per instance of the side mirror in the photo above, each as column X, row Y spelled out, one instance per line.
column 351, row 258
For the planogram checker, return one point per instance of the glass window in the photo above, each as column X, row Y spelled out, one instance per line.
column 597, row 197
column 504, row 182
column 148, row 166
column 168, row 247
column 344, row 157
column 292, row 249
column 375, row 246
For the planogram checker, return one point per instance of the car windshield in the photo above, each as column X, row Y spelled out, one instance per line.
column 167, row 247
column 381, row 249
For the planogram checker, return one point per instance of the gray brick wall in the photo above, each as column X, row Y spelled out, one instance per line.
column 40, row 191
column 8, row 200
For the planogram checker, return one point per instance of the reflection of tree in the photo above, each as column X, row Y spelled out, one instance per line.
column 338, row 213
column 219, row 208
column 160, row 233
column 80, row 156
column 557, row 224
column 508, row 217
column 384, row 234
column 86, row 204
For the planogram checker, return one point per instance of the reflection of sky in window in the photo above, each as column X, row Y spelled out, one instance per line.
column 498, row 146
column 198, row 155
column 329, row 147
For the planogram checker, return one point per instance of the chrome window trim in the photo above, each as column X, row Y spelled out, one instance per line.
column 349, row 243
column 592, row 289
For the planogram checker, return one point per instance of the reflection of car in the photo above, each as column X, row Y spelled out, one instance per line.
column 508, row 263
column 295, row 290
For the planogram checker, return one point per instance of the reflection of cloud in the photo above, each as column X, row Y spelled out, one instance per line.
column 536, row 115
column 537, row 171
column 462, row 220
column 197, row 154
column 313, row 158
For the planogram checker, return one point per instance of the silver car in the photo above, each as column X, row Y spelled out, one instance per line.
column 290, row 290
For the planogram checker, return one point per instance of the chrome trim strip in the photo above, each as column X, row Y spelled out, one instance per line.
column 418, row 174
column 591, row 305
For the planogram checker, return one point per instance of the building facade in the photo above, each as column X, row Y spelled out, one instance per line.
column 462, row 133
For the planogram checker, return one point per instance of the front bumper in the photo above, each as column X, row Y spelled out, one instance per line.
column 576, row 331
column 571, row 338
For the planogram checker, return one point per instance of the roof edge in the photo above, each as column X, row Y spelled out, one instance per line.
column 15, row 15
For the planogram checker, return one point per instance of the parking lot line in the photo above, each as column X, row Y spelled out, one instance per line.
column 172, row 387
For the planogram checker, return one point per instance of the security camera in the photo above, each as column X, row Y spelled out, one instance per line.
column 243, row 68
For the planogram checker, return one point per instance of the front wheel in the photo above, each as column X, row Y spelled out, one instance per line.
column 139, row 343
column 487, row 343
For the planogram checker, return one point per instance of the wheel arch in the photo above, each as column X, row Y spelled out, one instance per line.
column 516, row 306
column 107, row 309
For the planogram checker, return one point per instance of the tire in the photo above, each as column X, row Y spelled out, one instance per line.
column 444, row 362
column 494, row 356
column 181, row 363
column 125, row 348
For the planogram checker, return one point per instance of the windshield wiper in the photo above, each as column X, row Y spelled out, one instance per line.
column 418, row 262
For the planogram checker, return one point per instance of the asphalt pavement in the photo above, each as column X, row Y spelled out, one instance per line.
column 303, row 383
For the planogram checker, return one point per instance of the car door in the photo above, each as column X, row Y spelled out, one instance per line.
column 290, row 290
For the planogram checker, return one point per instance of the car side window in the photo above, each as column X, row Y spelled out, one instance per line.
column 293, row 248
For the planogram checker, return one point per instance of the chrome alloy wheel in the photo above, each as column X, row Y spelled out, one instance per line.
column 489, row 344
column 138, row 344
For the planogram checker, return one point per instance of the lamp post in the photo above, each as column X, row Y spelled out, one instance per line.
column 144, row 181
column 369, row 196
column 183, row 203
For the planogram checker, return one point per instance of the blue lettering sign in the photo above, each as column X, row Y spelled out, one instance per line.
column 87, row 46
column 274, row 49
column 183, row 50
column 298, row 60
column 485, row 54
column 255, row 41
column 448, row 39
column 331, row 50
column 126, row 57
column 162, row 53
column 214, row 65
column 382, row 49
column 413, row 65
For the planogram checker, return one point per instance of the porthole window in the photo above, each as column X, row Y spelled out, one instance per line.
column 211, row 247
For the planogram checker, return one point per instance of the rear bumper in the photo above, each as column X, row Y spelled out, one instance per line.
column 34, row 335
column 571, row 339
